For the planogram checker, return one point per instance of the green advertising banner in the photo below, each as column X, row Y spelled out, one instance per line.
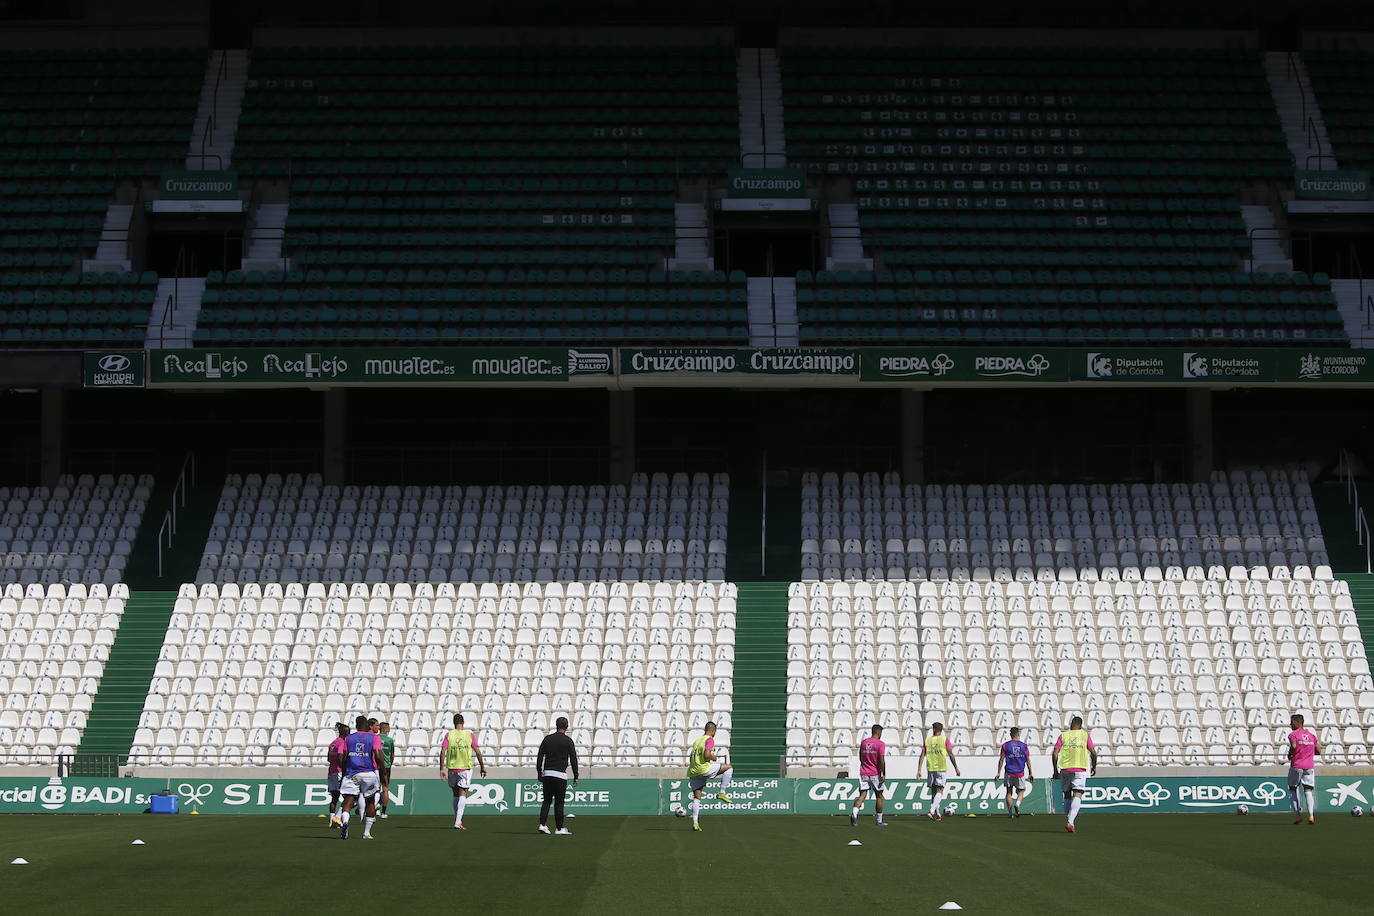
column 755, row 183
column 183, row 184
column 1338, row 184
column 389, row 366
column 36, row 795
column 714, row 361
column 120, row 369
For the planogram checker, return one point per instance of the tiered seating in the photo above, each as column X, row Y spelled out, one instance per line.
column 1342, row 81
column 54, row 642
column 657, row 528
column 1074, row 195
column 534, row 305
column 451, row 193
column 260, row 675
column 1198, row 671
column 82, row 530
column 57, row 309
column 69, row 121
column 876, row 528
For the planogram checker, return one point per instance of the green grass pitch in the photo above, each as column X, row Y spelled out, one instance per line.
column 1115, row 864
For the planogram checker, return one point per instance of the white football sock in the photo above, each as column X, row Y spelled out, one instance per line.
column 345, row 817
column 367, row 825
column 878, row 816
column 935, row 804
column 696, row 810
column 462, row 803
column 1073, row 809
column 1311, row 803
column 1295, row 802
column 725, row 779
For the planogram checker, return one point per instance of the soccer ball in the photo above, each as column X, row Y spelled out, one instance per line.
column 1242, row 809
column 1357, row 811
column 680, row 812
column 950, row 809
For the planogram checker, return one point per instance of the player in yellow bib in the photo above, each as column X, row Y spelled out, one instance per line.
column 1075, row 758
column 704, row 767
column 940, row 754
column 455, row 765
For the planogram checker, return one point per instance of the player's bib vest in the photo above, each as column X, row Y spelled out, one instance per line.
column 699, row 766
column 1073, row 753
column 358, row 757
column 459, row 755
column 936, row 760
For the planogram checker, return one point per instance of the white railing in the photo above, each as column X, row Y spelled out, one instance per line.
column 167, row 531
column 1346, row 473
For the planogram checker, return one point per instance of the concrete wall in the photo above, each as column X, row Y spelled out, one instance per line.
column 1020, row 38
column 509, row 36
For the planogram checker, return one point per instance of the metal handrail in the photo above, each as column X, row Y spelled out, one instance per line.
column 169, row 518
column 1345, row 471
column 1319, row 156
column 212, row 117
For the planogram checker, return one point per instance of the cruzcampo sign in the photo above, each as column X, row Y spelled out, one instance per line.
column 1342, row 184
column 717, row 361
column 766, row 183
column 183, row 184
column 382, row 366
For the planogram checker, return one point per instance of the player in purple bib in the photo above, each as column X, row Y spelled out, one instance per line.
column 1014, row 760
column 361, row 765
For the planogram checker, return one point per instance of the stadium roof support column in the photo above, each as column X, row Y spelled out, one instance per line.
column 913, row 427
column 622, row 433
column 1199, row 434
column 53, row 422
column 335, row 435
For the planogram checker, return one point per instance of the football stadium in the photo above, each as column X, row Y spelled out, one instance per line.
column 621, row 458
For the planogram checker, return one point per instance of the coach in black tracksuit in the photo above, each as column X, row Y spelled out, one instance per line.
column 556, row 754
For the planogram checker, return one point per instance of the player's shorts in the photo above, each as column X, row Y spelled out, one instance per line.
column 385, row 774
column 334, row 780
column 1306, row 779
column 364, row 784
column 872, row 784
column 935, row 780
column 460, row 779
column 698, row 783
column 1015, row 783
column 1073, row 782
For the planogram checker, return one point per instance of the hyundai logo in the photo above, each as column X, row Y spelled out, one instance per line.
column 114, row 362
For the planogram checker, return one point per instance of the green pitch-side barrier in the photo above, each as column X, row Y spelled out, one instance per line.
column 663, row 796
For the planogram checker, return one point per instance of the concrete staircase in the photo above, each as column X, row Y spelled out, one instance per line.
column 112, row 251
column 690, row 251
column 265, row 238
column 221, row 102
column 846, row 239
column 175, row 312
column 1350, row 301
column 772, row 303
column 759, row 77
column 1291, row 88
column 759, row 705
column 1267, row 252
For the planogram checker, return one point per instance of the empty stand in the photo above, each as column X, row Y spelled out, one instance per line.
column 1038, row 196
column 872, row 527
column 81, row 530
column 521, row 194
column 1198, row 671
column 1342, row 81
column 71, row 123
column 259, row 675
column 294, row 529
column 54, row 642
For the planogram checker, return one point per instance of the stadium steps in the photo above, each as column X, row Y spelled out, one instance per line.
column 119, row 701
column 757, row 733
column 748, row 558
column 1362, row 595
column 181, row 561
column 1338, row 528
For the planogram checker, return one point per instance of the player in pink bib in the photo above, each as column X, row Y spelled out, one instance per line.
column 335, row 754
column 872, row 771
column 1303, row 749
